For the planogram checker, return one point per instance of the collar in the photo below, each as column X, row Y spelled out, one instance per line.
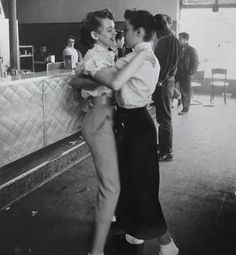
column 143, row 46
column 99, row 48
column 109, row 55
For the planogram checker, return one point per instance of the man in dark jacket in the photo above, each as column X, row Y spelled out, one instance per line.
column 187, row 67
column 167, row 51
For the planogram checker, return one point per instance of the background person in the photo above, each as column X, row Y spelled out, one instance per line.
column 69, row 50
column 187, row 67
column 41, row 54
column 41, row 58
column 120, row 41
column 167, row 51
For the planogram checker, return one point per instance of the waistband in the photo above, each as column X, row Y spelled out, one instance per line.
column 103, row 100
column 132, row 110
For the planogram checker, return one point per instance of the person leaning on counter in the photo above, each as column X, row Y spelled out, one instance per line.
column 75, row 54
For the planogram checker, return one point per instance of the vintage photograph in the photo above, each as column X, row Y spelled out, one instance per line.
column 117, row 127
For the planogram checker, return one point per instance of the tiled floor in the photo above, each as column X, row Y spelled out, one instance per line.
column 197, row 194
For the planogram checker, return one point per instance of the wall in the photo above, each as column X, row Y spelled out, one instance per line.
column 4, row 40
column 62, row 11
column 4, row 43
column 2, row 13
column 50, row 21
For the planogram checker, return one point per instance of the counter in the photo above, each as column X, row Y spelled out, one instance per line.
column 36, row 110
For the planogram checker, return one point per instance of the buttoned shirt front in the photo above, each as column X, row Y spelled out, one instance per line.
column 138, row 90
column 94, row 60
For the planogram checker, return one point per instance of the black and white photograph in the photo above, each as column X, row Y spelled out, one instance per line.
column 117, row 127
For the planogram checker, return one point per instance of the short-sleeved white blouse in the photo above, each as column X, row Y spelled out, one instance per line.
column 138, row 90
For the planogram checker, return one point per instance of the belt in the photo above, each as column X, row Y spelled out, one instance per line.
column 103, row 100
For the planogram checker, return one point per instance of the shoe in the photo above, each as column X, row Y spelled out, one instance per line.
column 132, row 240
column 166, row 157
column 182, row 113
column 119, row 244
column 169, row 249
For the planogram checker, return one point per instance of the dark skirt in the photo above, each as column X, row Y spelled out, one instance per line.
column 139, row 211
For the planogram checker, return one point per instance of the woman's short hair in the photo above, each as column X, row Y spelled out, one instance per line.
column 140, row 18
column 92, row 22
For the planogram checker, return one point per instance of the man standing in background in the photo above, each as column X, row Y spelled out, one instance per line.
column 167, row 51
column 187, row 67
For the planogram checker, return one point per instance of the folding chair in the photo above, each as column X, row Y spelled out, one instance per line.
column 218, row 79
column 197, row 81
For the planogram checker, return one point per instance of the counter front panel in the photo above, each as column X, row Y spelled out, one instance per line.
column 36, row 112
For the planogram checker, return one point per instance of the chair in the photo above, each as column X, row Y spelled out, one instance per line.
column 218, row 79
column 55, row 66
column 197, row 81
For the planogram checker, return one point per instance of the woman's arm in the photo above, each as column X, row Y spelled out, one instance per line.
column 116, row 80
column 84, row 82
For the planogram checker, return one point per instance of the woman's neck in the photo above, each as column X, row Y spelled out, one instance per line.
column 102, row 45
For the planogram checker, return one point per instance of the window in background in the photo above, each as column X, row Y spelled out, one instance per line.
column 213, row 34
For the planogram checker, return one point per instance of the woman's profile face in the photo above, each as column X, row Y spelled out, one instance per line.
column 107, row 33
column 130, row 35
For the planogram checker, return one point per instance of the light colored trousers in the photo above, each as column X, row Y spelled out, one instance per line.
column 97, row 129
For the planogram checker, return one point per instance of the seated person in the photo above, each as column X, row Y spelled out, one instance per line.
column 76, row 56
column 41, row 54
column 41, row 58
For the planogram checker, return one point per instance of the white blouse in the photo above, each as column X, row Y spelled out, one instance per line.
column 94, row 60
column 137, row 92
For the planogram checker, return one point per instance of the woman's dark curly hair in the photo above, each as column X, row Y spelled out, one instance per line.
column 92, row 22
column 140, row 18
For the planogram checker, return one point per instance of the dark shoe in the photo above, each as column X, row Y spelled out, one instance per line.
column 166, row 157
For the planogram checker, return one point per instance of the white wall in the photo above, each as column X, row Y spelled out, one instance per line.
column 2, row 14
column 4, row 42
column 60, row 11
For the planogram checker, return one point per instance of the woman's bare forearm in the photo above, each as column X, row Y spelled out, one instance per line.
column 84, row 83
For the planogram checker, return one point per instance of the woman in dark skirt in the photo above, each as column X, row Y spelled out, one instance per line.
column 139, row 212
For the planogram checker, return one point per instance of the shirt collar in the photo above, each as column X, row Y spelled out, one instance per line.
column 105, row 52
column 100, row 49
column 143, row 46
